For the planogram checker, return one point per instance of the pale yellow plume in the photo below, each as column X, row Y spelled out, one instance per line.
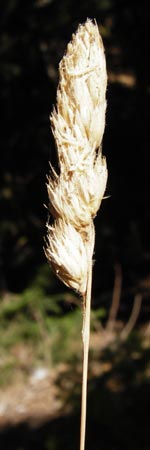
column 78, row 124
column 76, row 193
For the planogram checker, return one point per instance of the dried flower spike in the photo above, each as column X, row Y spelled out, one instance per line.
column 79, row 120
column 67, row 253
column 75, row 194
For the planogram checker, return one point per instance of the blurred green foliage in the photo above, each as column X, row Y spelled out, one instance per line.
column 35, row 320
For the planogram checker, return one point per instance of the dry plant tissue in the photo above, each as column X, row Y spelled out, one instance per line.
column 75, row 194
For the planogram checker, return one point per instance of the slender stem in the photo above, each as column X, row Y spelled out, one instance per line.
column 85, row 337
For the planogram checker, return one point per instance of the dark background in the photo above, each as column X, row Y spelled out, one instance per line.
column 33, row 38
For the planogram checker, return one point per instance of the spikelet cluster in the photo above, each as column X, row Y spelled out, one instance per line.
column 78, row 123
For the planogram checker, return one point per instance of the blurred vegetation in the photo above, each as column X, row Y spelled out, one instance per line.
column 34, row 329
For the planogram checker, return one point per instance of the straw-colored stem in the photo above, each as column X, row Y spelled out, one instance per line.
column 85, row 337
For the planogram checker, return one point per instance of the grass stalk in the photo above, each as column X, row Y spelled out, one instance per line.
column 85, row 339
column 76, row 193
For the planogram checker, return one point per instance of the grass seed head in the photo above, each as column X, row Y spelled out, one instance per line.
column 67, row 254
column 79, row 119
column 78, row 122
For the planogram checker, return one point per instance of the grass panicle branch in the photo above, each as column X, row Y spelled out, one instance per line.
column 75, row 194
